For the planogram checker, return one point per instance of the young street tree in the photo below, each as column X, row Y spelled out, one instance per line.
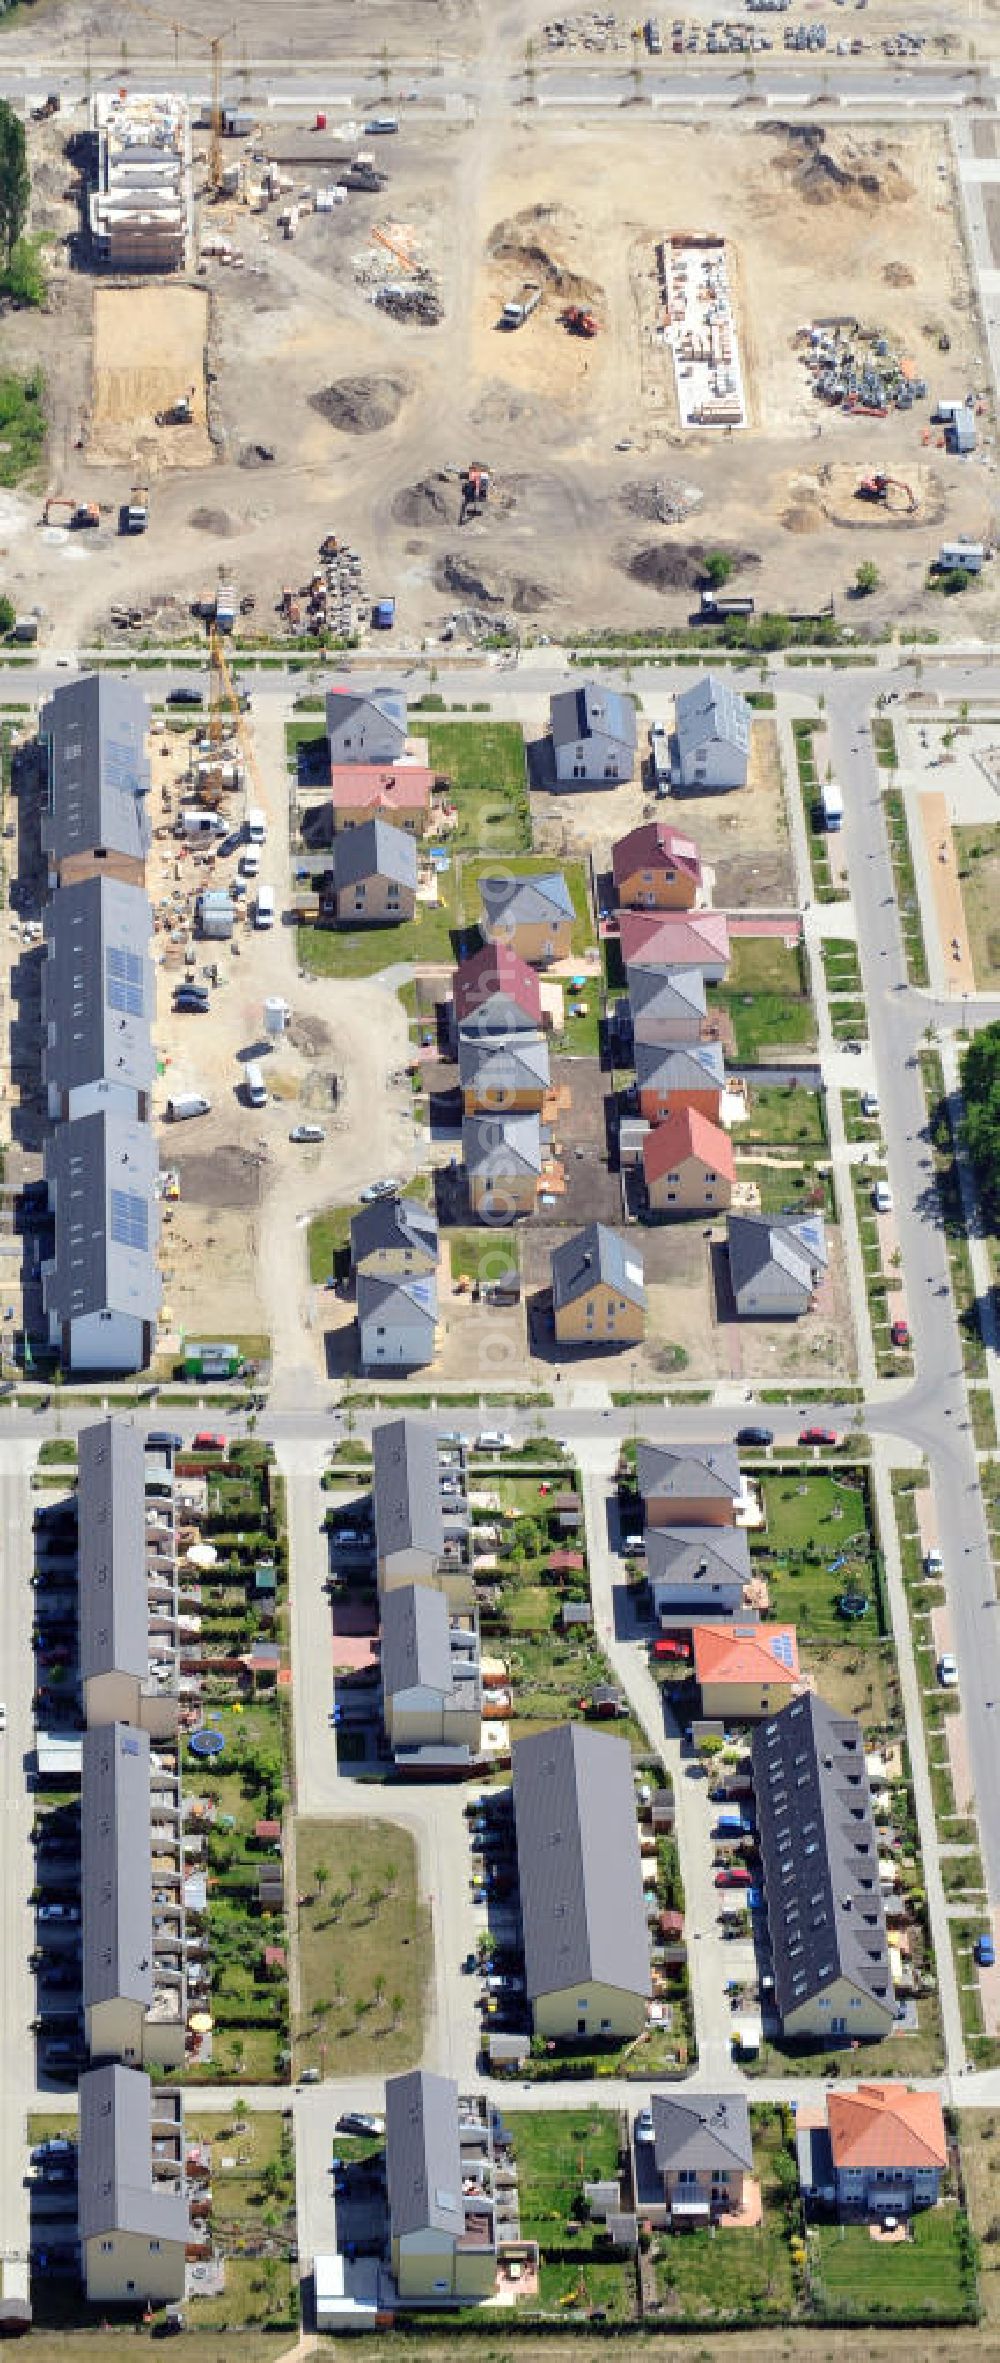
column 15, row 184
column 867, row 578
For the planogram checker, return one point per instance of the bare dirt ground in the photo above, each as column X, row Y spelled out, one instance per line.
column 489, row 204
column 148, row 351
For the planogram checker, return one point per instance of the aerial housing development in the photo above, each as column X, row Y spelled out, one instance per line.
column 500, row 1357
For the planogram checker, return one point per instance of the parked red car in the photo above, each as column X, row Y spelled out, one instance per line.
column 736, row 1876
column 208, row 1440
column 900, row 1333
column 673, row 1649
column 819, row 1436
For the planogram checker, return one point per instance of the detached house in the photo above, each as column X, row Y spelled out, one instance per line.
column 495, row 993
column 365, row 727
column 697, row 1571
column 685, row 1075
column 877, row 2152
column 380, row 791
column 745, row 1670
column 694, row 2168
column 497, row 1076
column 598, row 1290
column 667, row 1004
column 394, row 1238
column 688, row 1165
column 776, row 1264
column 594, row 737
column 532, row 915
column 676, row 939
column 503, row 1160
column 712, row 736
column 397, row 1320
column 694, row 1485
column 374, row 875
column 655, row 868
column 819, row 1859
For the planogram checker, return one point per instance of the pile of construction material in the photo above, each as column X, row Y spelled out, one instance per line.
column 855, row 369
column 335, row 598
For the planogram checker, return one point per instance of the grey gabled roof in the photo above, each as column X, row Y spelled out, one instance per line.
column 343, row 704
column 597, row 1255
column 406, row 1487
column 592, row 711
column 116, row 2189
column 392, row 1224
column 423, row 2155
column 665, row 992
column 99, row 778
column 688, row 1554
column 692, row 1472
column 375, row 849
column 819, row 1852
column 701, row 2131
column 102, row 1172
column 416, row 1648
column 518, row 1063
column 409, row 1297
column 796, row 1245
column 530, row 901
column 111, row 1534
column 116, row 1865
column 677, row 1066
column 578, row 1862
column 501, row 1144
column 711, row 709
column 98, row 985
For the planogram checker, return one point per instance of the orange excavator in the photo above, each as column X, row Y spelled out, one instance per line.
column 878, row 488
column 82, row 514
column 578, row 321
column 475, row 491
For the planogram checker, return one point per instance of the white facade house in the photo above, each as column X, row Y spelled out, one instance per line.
column 712, row 736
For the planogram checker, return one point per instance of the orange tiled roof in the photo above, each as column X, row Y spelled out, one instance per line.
column 745, row 1653
column 886, row 2125
column 688, row 1134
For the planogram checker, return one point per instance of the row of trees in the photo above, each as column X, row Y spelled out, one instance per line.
column 981, row 1093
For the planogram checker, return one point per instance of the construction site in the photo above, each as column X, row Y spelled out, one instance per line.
column 361, row 322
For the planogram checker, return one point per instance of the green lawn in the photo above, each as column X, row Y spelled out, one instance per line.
column 253, row 2168
column 701, row 2275
column 977, row 852
column 765, row 996
column 926, row 2275
column 482, row 1255
column 788, row 1184
column 557, row 2151
column 568, row 2289
column 364, row 1948
column 328, row 1237
column 362, row 951
column 485, row 765
column 22, row 425
column 811, row 1521
column 581, row 1035
column 841, row 965
column 527, row 865
column 783, row 1115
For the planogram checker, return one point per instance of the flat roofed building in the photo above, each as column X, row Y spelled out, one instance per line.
column 819, row 1858
column 96, row 820
column 135, row 2222
column 98, row 999
column 586, row 1941
column 438, row 2157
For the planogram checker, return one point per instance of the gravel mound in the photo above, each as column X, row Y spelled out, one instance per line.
column 361, row 405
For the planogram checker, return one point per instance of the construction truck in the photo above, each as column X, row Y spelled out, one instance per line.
column 475, row 491
column 178, row 415
column 134, row 513
column 578, row 321
column 520, row 307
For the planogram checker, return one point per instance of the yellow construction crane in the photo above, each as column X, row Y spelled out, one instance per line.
column 223, row 687
column 213, row 43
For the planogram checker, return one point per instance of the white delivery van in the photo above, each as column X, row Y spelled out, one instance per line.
column 255, row 829
column 195, row 822
column 255, row 1087
column 187, row 1103
column 264, row 907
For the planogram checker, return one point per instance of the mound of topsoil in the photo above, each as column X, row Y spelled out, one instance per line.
column 432, row 501
column 826, row 166
column 212, row 521
column 533, row 244
column 671, row 566
column 361, row 405
column 492, row 587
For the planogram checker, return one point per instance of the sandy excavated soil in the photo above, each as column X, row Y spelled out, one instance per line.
column 148, row 350
column 371, row 419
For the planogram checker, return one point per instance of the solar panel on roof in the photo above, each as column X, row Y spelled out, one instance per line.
column 124, row 981
column 781, row 1645
column 129, row 1219
column 120, row 764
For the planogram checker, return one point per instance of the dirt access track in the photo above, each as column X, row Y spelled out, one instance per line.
column 580, row 434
